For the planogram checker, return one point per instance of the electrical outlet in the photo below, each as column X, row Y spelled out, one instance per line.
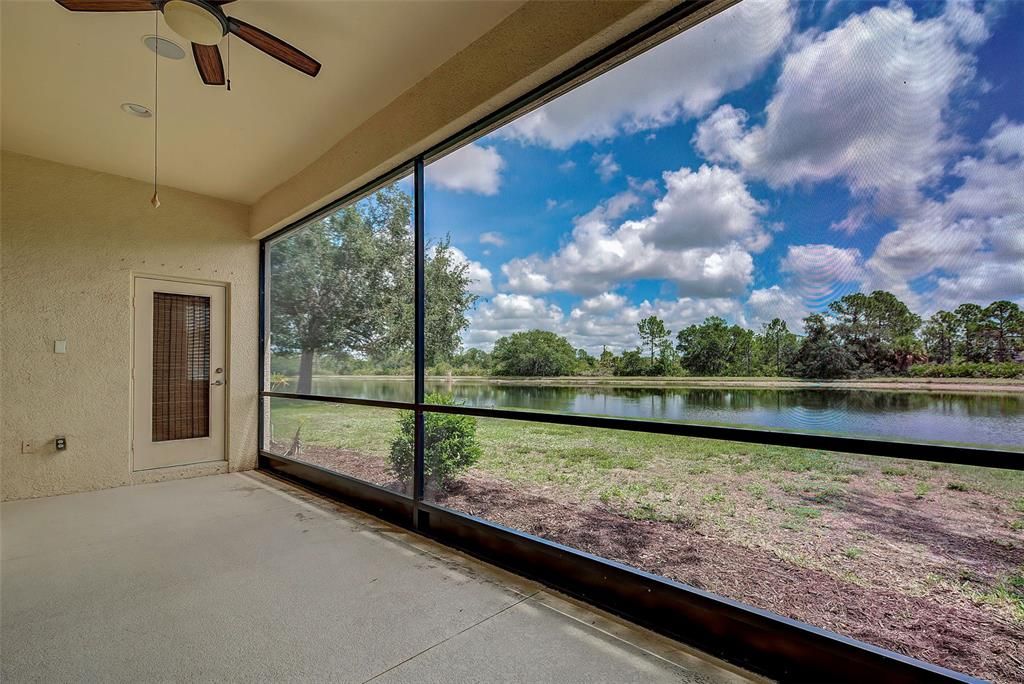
column 61, row 443
column 28, row 447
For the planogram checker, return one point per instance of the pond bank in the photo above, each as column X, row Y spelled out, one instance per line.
column 959, row 385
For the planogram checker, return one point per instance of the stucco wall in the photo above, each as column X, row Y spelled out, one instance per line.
column 71, row 241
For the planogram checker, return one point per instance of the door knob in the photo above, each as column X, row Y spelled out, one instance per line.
column 217, row 382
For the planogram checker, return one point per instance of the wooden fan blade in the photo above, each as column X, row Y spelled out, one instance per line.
column 108, row 5
column 211, row 68
column 273, row 46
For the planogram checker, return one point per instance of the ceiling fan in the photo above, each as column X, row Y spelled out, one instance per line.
column 203, row 23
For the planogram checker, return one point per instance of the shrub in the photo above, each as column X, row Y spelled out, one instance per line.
column 1007, row 370
column 450, row 446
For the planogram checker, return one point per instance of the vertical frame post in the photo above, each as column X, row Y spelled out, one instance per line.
column 419, row 342
column 261, row 402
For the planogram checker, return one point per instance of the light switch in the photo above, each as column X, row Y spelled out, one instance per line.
column 60, row 346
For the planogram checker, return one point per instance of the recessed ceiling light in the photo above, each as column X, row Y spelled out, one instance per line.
column 136, row 110
column 163, row 47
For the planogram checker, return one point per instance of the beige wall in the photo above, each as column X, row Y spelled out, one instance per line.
column 71, row 241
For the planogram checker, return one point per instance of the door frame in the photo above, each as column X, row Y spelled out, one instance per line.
column 226, row 434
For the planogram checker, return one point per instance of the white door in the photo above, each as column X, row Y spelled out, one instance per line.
column 179, row 374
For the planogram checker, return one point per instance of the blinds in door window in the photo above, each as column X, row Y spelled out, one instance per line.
column 181, row 366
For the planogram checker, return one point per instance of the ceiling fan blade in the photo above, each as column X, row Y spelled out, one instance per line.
column 273, row 46
column 109, row 5
column 211, row 68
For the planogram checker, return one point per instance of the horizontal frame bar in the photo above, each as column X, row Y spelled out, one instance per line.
column 355, row 401
column 754, row 638
column 913, row 451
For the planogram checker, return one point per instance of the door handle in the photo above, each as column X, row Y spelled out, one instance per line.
column 217, row 382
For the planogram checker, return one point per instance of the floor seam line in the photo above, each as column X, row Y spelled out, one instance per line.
column 449, row 638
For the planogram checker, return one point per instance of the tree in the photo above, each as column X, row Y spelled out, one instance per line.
column 630, row 364
column 475, row 361
column 585, row 362
column 715, row 348
column 447, row 300
column 1003, row 326
column 653, row 334
column 318, row 292
column 777, row 345
column 343, row 285
column 878, row 331
column 533, row 353
column 820, row 354
column 972, row 347
column 941, row 333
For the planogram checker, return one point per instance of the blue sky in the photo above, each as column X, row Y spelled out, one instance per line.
column 761, row 164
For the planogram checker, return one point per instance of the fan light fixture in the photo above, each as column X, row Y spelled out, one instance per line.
column 195, row 20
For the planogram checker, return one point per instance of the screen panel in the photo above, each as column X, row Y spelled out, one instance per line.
column 339, row 298
column 917, row 557
column 821, row 234
column 367, row 443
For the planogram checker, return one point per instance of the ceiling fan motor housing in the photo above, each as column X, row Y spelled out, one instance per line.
column 198, row 21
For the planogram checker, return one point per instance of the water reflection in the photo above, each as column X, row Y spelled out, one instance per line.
column 979, row 418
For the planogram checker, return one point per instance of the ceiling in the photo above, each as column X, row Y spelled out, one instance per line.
column 65, row 75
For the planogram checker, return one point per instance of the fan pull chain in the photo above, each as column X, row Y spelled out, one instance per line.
column 156, row 106
column 228, row 46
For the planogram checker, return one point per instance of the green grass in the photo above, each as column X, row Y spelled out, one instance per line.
column 656, row 477
column 854, row 552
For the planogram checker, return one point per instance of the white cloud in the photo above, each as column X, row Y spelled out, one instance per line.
column 969, row 244
column 473, row 168
column 596, row 322
column 682, row 77
column 604, row 303
column 492, row 238
column 608, row 319
column 865, row 102
column 479, row 276
column 773, row 302
column 605, row 166
column 700, row 236
column 508, row 313
column 820, row 273
column 567, row 166
column 706, row 207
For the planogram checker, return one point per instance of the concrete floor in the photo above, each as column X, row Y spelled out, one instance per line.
column 241, row 577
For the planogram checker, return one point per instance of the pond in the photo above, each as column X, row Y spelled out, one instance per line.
column 981, row 418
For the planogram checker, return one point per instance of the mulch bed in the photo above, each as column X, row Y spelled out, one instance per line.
column 943, row 627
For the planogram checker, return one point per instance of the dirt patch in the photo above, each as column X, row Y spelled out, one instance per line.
column 884, row 602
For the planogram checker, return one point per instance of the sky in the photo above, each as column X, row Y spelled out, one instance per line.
column 759, row 165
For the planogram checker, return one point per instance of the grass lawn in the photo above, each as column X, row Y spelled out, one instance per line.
column 923, row 530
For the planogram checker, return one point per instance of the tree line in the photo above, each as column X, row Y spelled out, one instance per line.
column 341, row 297
column 860, row 335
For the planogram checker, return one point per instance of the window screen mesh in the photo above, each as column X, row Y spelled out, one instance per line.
column 181, row 366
